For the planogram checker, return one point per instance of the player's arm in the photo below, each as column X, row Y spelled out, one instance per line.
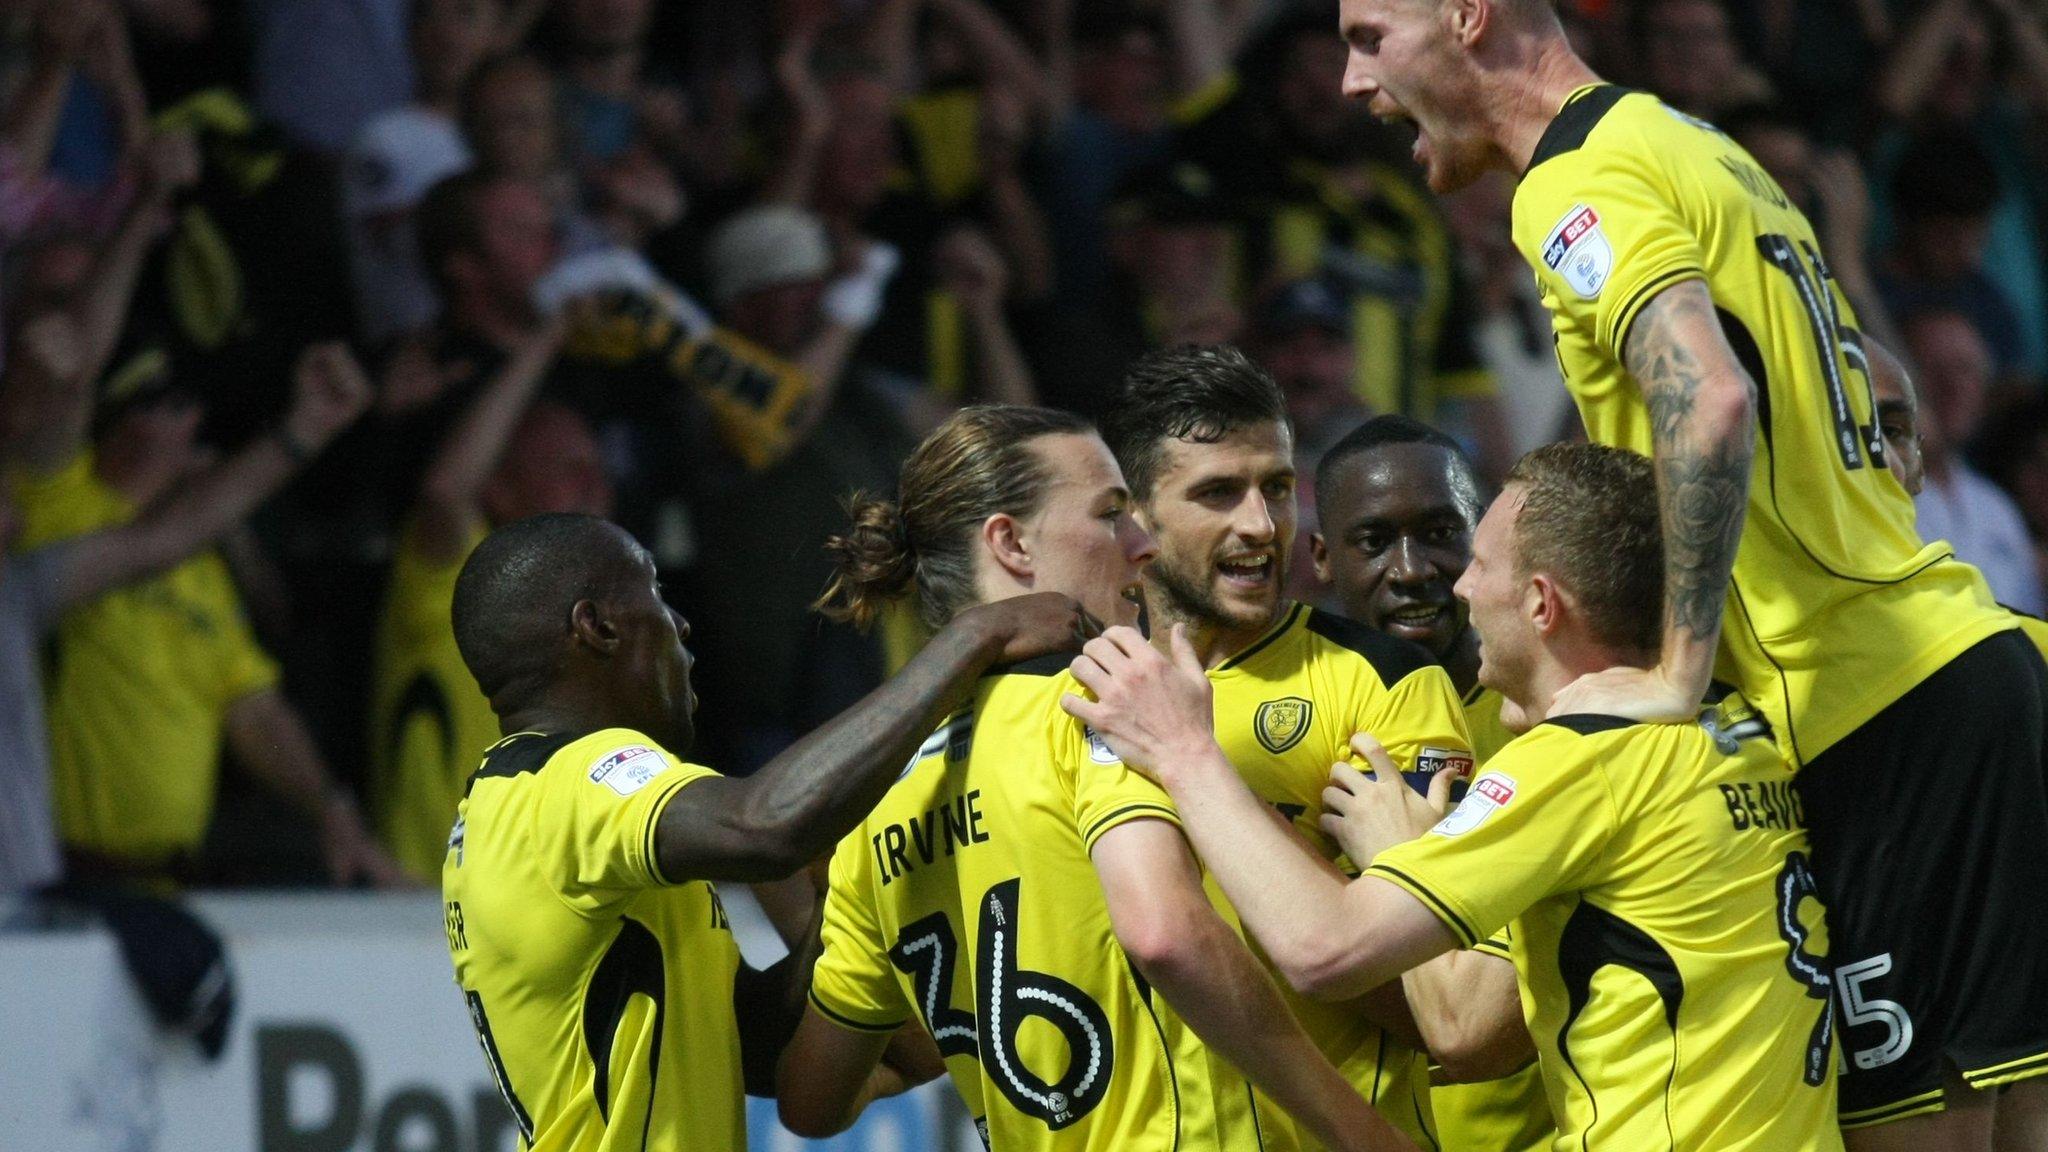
column 1330, row 939
column 1176, row 940
column 799, row 804
column 1702, row 406
column 829, row 1074
column 1468, row 1005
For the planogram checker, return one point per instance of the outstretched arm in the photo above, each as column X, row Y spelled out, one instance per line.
column 1328, row 938
column 799, row 804
column 448, row 511
column 331, row 393
column 1174, row 937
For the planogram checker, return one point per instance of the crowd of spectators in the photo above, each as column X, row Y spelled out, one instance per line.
column 426, row 266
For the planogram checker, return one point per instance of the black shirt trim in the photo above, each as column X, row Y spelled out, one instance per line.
column 1574, row 122
column 1263, row 642
column 1587, row 723
column 525, row 752
column 1393, row 658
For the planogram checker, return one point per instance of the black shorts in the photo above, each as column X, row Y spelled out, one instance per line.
column 1930, row 848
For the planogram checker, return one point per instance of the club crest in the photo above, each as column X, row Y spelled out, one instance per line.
column 1280, row 724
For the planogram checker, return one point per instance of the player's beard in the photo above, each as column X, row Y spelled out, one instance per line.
column 1194, row 601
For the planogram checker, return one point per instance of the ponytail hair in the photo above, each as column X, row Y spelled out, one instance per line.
column 978, row 464
column 872, row 563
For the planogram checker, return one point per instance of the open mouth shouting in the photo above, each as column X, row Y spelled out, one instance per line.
column 1249, row 571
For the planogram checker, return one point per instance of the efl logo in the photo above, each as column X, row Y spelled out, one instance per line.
column 1489, row 794
column 627, row 770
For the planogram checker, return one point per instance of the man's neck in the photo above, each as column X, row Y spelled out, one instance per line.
column 1213, row 641
column 1530, row 92
column 1462, row 662
column 1538, row 698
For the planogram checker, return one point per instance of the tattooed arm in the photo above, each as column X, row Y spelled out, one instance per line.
column 1703, row 426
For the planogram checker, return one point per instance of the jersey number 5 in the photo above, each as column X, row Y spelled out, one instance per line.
column 927, row 951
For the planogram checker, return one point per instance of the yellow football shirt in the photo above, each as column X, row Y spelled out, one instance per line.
column 1286, row 708
column 600, row 989
column 968, row 900
column 1836, row 607
column 143, row 678
column 430, row 722
column 1512, row 1113
column 1668, row 939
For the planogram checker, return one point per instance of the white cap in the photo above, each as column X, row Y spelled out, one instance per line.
column 766, row 246
column 397, row 157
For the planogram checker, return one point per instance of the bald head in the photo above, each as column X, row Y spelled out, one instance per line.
column 515, row 594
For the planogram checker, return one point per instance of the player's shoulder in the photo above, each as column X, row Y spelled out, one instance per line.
column 1018, row 708
column 1605, row 119
column 619, row 758
column 1346, row 641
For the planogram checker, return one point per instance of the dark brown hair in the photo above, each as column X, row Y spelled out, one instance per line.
column 1589, row 519
column 977, row 464
column 1192, row 392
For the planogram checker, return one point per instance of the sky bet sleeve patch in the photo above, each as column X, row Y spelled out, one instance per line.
column 1489, row 793
column 628, row 769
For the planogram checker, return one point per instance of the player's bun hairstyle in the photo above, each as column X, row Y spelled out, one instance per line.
column 978, row 464
column 1589, row 520
column 1192, row 392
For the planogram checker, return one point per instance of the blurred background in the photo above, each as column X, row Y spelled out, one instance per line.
column 298, row 297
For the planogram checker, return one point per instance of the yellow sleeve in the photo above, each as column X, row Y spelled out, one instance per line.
column 68, row 502
column 1421, row 722
column 1529, row 827
column 244, row 667
column 854, row 982
column 1107, row 792
column 1499, row 944
column 601, row 797
column 1612, row 236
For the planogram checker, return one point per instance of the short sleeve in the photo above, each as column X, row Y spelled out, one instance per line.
column 245, row 667
column 1107, row 792
column 1608, row 235
column 1421, row 722
column 854, row 982
column 1500, row 944
column 600, row 800
column 1529, row 827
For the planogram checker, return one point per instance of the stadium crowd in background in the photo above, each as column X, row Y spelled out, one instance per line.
column 300, row 299
column 708, row 267
column 711, row 266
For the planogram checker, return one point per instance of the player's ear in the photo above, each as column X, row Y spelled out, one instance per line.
column 1319, row 555
column 1545, row 604
column 591, row 626
column 1003, row 537
column 1469, row 18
